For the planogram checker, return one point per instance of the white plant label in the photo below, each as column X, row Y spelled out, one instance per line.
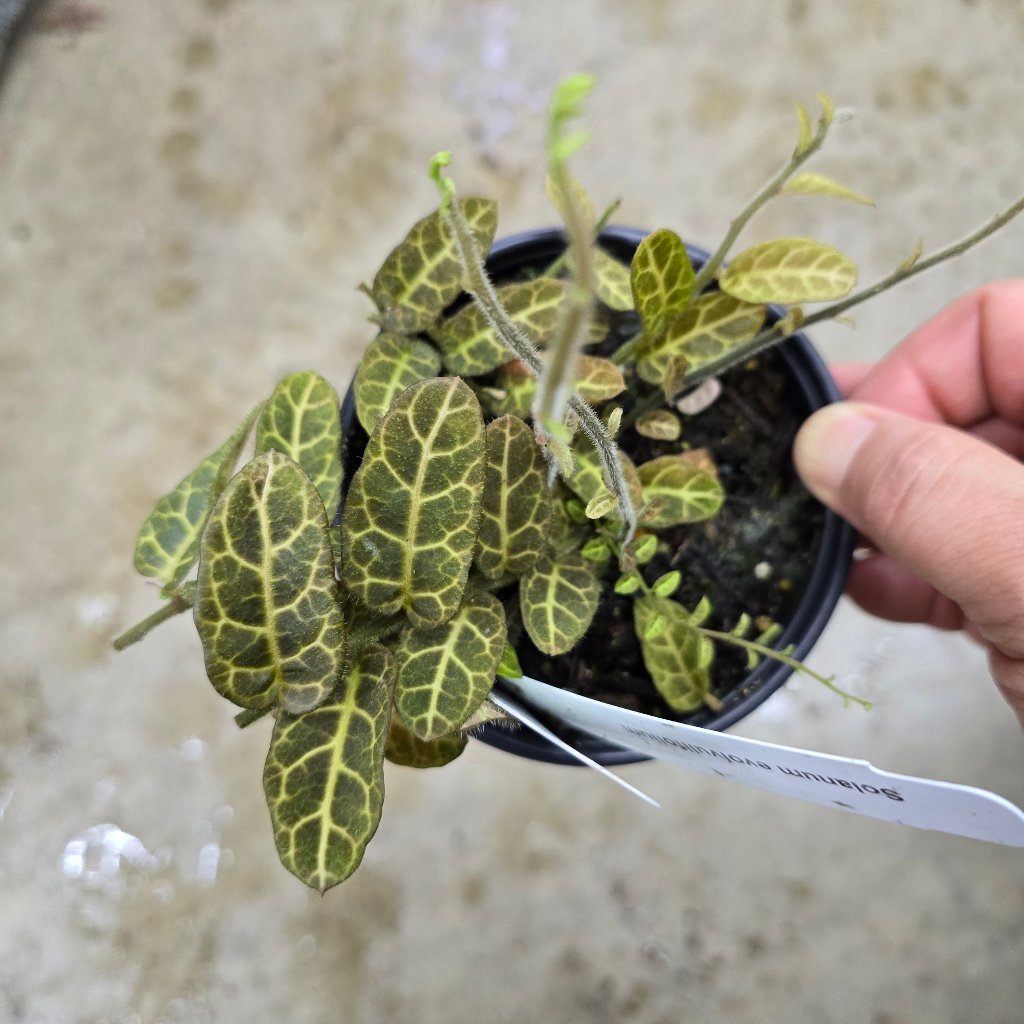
column 846, row 783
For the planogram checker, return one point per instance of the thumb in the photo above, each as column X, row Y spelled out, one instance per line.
column 947, row 506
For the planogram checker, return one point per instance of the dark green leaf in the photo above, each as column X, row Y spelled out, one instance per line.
column 558, row 599
column 407, row 749
column 390, row 364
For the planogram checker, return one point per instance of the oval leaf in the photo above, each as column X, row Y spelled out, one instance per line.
column 390, row 364
column 411, row 512
column 302, row 421
column 407, row 749
column 661, row 277
column 423, row 275
column 324, row 779
column 659, row 425
column 713, row 326
column 598, row 379
column 515, row 508
column 468, row 341
column 168, row 542
column 588, row 483
column 789, row 270
column 811, row 184
column 267, row 605
column 558, row 599
column 445, row 672
column 676, row 491
column 611, row 281
column 677, row 657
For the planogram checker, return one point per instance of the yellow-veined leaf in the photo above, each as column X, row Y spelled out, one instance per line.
column 789, row 270
column 611, row 281
column 677, row 657
column 598, row 379
column 810, row 183
column 659, row 425
column 390, row 364
column 676, row 492
column 558, row 599
column 661, row 277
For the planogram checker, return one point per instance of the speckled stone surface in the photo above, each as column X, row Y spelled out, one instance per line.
column 189, row 195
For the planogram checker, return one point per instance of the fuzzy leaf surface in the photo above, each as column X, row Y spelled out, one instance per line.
column 412, row 509
column 267, row 605
column 302, row 421
column 514, row 391
column 677, row 657
column 598, row 379
column 789, row 270
column 558, row 599
column 678, row 491
column 445, row 672
column 324, row 779
column 168, row 542
column 588, row 483
column 661, row 277
column 407, row 749
column 659, row 425
column 468, row 342
column 390, row 364
column 422, row 274
column 714, row 325
column 515, row 508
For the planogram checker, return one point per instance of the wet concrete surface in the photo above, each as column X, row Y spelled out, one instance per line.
column 190, row 195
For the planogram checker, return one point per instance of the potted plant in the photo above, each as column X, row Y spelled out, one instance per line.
column 533, row 464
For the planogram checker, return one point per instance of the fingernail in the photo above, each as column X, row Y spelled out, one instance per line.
column 827, row 443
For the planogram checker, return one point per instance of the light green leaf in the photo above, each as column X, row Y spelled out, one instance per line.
column 515, row 508
column 324, row 779
column 579, row 197
column 407, row 749
column 509, row 665
column 789, row 270
column 677, row 657
column 423, row 275
column 714, row 325
column 588, row 482
column 558, row 599
column 661, row 277
column 611, row 281
column 679, row 491
column 412, row 509
column 302, row 421
column 267, row 606
column 445, row 672
column 390, row 364
column 667, row 585
column 811, row 184
column 468, row 342
column 806, row 136
column 659, row 425
column 168, row 542
column 598, row 379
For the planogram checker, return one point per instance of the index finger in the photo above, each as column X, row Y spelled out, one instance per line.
column 962, row 367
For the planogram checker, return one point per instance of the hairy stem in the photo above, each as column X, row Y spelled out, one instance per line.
column 179, row 601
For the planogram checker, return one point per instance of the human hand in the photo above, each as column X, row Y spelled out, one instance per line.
column 924, row 459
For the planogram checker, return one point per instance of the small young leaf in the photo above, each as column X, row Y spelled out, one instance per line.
column 598, row 379
column 789, row 270
column 659, row 425
column 667, row 585
column 742, row 627
column 806, row 136
column 627, row 584
column 324, row 779
column 509, row 665
column 644, row 547
column 168, row 542
column 445, row 672
column 912, row 259
column 267, row 605
column 685, row 493
column 302, row 421
column 412, row 509
column 588, row 483
column 791, row 322
column 677, row 657
column 661, row 278
column 516, row 388
column 596, row 550
column 407, row 749
column 614, row 422
column 422, row 275
column 558, row 599
column 611, row 282
column 600, row 505
column 390, row 364
column 700, row 614
column 812, row 184
column 515, row 506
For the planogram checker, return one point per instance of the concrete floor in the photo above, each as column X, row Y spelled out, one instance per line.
column 190, row 194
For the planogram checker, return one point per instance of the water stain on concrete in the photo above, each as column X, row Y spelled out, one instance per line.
column 921, row 90
column 200, row 52
column 185, row 100
column 719, row 100
column 175, row 294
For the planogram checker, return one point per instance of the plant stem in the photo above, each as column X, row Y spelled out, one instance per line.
column 180, row 601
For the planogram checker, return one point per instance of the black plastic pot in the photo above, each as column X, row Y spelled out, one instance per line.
column 825, row 582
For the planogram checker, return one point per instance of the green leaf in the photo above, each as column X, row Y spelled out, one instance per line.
column 661, row 277
column 390, row 364
column 445, row 672
column 789, row 270
column 600, row 505
column 588, row 483
column 659, row 425
column 812, row 184
column 267, row 606
column 598, row 379
column 806, row 136
column 628, row 583
column 515, row 507
column 667, row 585
column 578, row 197
column 412, row 509
column 714, row 325
column 681, row 491
column 324, row 779
column 558, row 599
column 302, row 421
column 468, row 341
column 514, row 390
column 168, row 542
column 407, row 749
column 611, row 281
column 509, row 665
column 423, row 275
column 677, row 657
